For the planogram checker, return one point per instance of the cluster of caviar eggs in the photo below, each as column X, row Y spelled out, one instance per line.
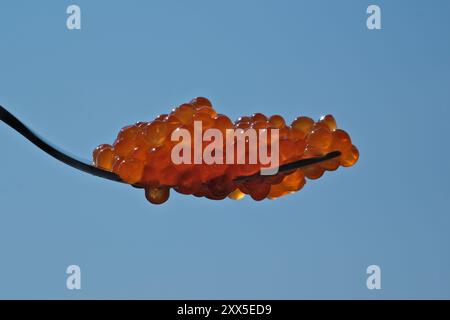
column 141, row 155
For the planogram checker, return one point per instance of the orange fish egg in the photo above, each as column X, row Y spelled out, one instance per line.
column 143, row 153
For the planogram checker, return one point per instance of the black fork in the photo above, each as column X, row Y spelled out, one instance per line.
column 84, row 166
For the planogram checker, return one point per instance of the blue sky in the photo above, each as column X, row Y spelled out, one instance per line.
column 133, row 60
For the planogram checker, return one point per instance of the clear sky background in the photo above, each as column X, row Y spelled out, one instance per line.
column 133, row 60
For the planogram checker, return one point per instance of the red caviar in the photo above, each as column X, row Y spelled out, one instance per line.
column 141, row 155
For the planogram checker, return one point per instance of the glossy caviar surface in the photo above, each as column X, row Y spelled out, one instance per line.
column 141, row 154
